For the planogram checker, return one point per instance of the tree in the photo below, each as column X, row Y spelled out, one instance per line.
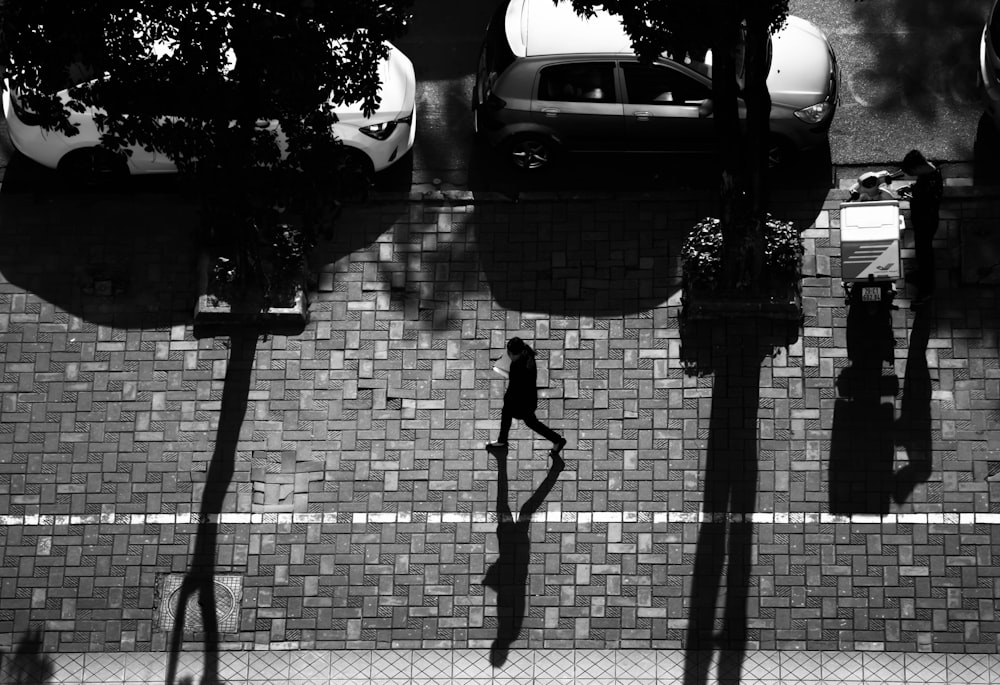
column 239, row 94
column 737, row 33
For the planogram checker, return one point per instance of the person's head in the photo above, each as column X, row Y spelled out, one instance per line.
column 915, row 164
column 516, row 347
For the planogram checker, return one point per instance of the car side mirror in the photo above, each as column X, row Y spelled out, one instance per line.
column 705, row 108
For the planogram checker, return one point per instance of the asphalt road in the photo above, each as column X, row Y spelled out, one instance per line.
column 907, row 80
column 908, row 76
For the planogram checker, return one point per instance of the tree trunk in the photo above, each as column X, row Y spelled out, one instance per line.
column 758, row 132
column 725, row 92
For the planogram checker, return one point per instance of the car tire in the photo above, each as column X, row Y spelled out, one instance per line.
column 531, row 151
column 355, row 176
column 90, row 167
column 780, row 152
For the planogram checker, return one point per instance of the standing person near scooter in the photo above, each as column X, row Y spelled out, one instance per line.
column 925, row 200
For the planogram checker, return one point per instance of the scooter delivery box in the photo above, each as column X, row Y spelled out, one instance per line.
column 869, row 240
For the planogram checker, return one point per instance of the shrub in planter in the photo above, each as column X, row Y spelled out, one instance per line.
column 701, row 257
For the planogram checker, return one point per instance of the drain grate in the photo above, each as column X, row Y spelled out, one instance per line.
column 228, row 594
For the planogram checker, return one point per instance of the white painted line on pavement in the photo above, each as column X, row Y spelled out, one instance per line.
column 554, row 516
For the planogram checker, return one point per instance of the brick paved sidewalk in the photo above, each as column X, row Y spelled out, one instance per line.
column 713, row 496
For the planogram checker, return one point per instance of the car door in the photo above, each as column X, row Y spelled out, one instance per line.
column 579, row 102
column 666, row 108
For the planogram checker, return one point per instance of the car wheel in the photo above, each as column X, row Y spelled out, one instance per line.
column 92, row 166
column 355, row 176
column 779, row 152
column 531, row 152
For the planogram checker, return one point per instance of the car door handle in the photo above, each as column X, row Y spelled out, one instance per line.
column 550, row 111
column 642, row 116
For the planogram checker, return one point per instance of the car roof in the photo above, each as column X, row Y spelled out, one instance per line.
column 542, row 27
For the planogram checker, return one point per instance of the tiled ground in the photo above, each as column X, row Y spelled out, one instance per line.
column 549, row 666
column 714, row 494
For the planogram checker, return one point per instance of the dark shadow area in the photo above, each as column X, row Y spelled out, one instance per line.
column 126, row 261
column 594, row 172
column 926, row 55
column 584, row 258
column 860, row 473
column 23, row 176
column 732, row 349
column 28, row 664
column 508, row 576
column 986, row 151
column 798, row 190
column 913, row 427
column 202, row 569
column 397, row 178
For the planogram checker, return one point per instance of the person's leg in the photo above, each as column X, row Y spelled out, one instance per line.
column 532, row 422
column 506, row 418
column 924, row 229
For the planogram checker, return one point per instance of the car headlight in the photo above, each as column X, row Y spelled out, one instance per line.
column 384, row 129
column 814, row 114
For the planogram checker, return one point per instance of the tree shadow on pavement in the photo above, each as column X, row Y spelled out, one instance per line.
column 200, row 578
column 586, row 257
column 416, row 258
column 860, row 477
column 725, row 538
column 926, row 55
column 122, row 261
column 28, row 664
column 508, row 576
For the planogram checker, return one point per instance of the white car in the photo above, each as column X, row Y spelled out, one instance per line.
column 988, row 77
column 373, row 143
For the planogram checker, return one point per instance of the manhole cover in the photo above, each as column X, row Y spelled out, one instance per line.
column 224, row 603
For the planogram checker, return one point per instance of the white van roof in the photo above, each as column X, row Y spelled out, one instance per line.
column 542, row 27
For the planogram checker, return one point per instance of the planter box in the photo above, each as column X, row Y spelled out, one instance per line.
column 212, row 313
column 707, row 304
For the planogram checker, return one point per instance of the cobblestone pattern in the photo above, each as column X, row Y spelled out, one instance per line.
column 383, row 404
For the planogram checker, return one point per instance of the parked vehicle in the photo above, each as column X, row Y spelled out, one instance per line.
column 870, row 228
column 373, row 143
column 549, row 80
column 988, row 76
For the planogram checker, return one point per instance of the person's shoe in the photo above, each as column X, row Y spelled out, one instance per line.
column 557, row 448
column 496, row 445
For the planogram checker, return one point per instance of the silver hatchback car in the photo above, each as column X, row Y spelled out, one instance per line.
column 549, row 80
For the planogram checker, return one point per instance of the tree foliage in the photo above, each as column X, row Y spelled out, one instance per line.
column 239, row 94
column 737, row 33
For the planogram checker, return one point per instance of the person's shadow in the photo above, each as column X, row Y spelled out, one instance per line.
column 860, row 478
column 913, row 427
column 508, row 576
column 28, row 664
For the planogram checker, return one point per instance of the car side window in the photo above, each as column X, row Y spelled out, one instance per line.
column 578, row 82
column 659, row 85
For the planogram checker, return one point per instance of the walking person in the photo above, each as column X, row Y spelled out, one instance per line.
column 521, row 398
column 925, row 200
